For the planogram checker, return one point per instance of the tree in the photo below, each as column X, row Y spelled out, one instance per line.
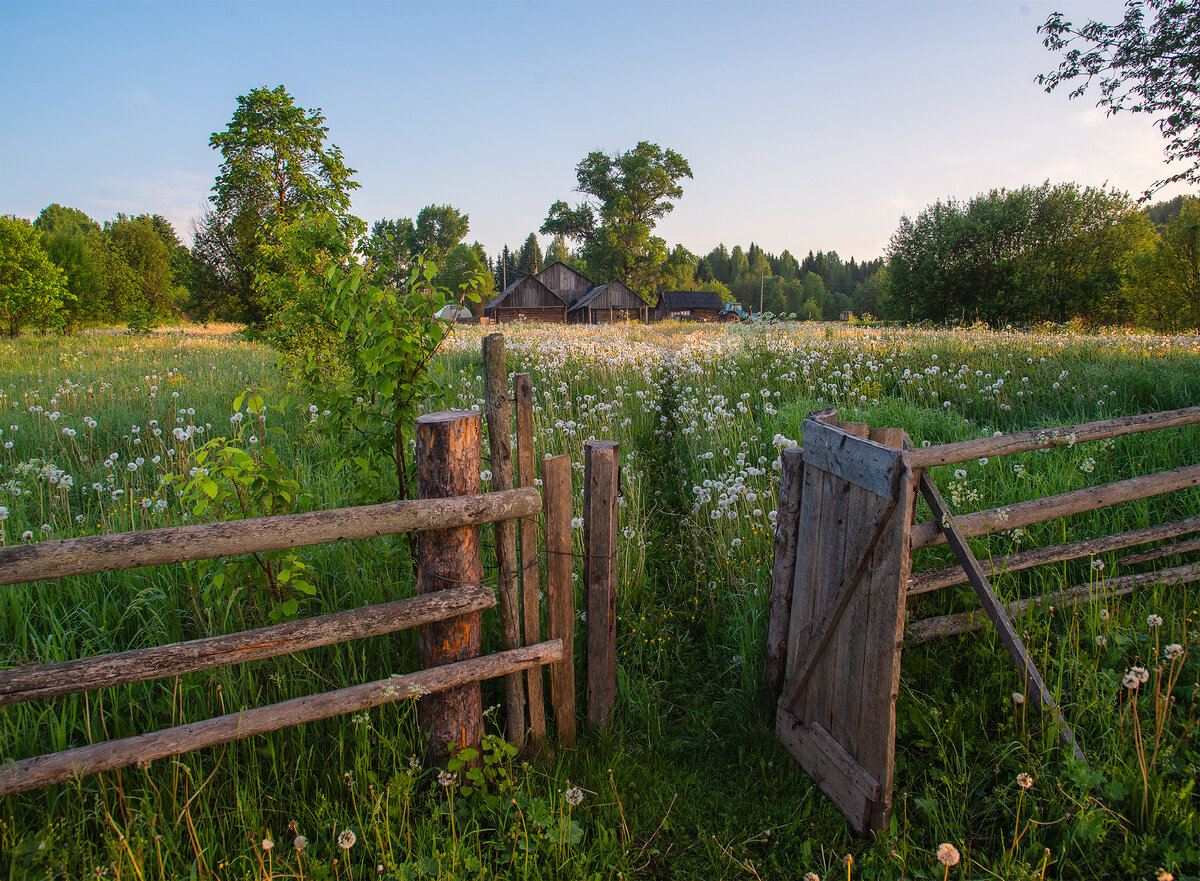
column 138, row 263
column 530, row 260
column 72, row 240
column 390, row 250
column 1147, row 63
column 628, row 193
column 466, row 276
column 557, row 252
column 32, row 288
column 275, row 168
column 438, row 229
column 1166, row 279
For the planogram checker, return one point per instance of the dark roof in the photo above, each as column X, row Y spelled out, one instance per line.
column 533, row 279
column 588, row 297
column 690, row 300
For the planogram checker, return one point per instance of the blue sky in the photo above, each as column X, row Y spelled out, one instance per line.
column 807, row 125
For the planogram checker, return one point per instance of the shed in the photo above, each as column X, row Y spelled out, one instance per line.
column 689, row 305
column 608, row 303
column 527, row 298
column 568, row 284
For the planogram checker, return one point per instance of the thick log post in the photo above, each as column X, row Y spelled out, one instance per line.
column 448, row 463
column 499, row 421
column 600, row 576
column 560, row 592
column 531, row 579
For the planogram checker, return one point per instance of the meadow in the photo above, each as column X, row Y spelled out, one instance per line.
column 100, row 433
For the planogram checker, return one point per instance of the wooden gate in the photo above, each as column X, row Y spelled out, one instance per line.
column 837, row 712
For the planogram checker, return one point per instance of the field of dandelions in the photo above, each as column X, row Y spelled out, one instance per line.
column 100, row 432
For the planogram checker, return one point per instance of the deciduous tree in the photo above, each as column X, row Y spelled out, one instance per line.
column 32, row 288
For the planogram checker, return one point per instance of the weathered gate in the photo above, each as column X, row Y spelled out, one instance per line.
column 841, row 665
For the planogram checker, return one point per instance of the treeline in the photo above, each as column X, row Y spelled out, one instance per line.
column 1048, row 253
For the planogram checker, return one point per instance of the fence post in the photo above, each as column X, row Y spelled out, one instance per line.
column 531, row 580
column 600, row 471
column 448, row 463
column 560, row 592
column 499, row 422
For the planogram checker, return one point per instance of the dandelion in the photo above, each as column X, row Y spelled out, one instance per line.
column 346, row 839
column 3, row 512
column 1153, row 621
column 983, row 461
column 1173, row 651
column 299, row 842
column 960, row 473
column 1105, row 614
column 1097, row 565
column 485, row 475
column 1018, row 698
column 267, row 844
column 811, row 876
column 1025, row 781
column 574, row 796
column 27, row 535
column 948, row 855
column 1101, row 640
column 445, row 778
column 577, row 523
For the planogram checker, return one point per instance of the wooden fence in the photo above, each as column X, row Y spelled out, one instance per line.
column 452, row 591
column 842, row 574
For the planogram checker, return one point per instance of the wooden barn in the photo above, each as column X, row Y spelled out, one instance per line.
column 527, row 298
column 689, row 306
column 570, row 285
column 607, row 303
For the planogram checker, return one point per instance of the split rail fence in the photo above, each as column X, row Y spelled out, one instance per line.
column 452, row 592
column 842, row 575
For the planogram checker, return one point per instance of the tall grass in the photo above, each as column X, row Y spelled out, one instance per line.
column 688, row 781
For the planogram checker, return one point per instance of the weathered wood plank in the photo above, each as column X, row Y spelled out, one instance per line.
column 947, row 576
column 847, row 648
column 1159, row 553
column 965, row 622
column 808, row 542
column 141, row 665
column 1067, row 435
column 449, row 452
column 499, row 424
column 144, row 748
column 203, row 541
column 835, row 771
column 560, row 591
column 531, row 579
column 997, row 613
column 857, row 460
column 928, row 534
column 783, row 572
column 601, row 473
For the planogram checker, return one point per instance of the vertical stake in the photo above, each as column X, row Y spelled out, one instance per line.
column 600, row 576
column 531, row 579
column 560, row 591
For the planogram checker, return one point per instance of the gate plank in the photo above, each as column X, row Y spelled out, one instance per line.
column 857, row 460
column 783, row 574
column 835, row 771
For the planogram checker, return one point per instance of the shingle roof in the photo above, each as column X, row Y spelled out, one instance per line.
column 690, row 300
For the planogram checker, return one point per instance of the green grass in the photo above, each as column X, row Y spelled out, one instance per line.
column 688, row 782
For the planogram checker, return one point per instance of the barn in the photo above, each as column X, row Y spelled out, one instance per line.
column 689, row 306
column 606, row 303
column 527, row 298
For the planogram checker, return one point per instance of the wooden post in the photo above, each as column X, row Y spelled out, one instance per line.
column 448, row 461
column 560, row 592
column 779, row 605
column 531, row 580
column 600, row 470
column 499, row 421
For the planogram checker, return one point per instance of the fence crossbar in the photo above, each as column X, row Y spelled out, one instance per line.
column 1042, row 438
column 144, row 748
column 202, row 541
column 141, row 665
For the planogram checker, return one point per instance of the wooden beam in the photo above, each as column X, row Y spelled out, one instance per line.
column 1172, row 550
column 203, row 541
column 783, row 572
column 1038, row 439
column 140, row 665
column 560, row 591
column 947, row 576
column 996, row 612
column 531, row 579
column 965, row 622
column 925, row 535
column 601, row 475
column 854, row 459
column 144, row 748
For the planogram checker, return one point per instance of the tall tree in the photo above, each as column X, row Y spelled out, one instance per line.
column 1166, row 279
column 32, row 288
column 438, row 229
column 275, row 167
column 1149, row 62
column 389, row 249
column 72, row 240
column 530, row 260
column 557, row 252
column 627, row 194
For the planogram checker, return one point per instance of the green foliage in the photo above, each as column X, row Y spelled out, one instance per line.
column 235, row 478
column 32, row 289
column 630, row 192
column 529, row 257
column 395, row 245
column 1165, row 280
column 1147, row 63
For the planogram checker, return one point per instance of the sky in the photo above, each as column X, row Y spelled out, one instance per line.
column 808, row 126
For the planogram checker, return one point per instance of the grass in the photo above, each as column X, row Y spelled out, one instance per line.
column 689, row 781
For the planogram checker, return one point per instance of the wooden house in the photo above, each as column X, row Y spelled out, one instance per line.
column 527, row 298
column 565, row 281
column 689, row 306
column 608, row 303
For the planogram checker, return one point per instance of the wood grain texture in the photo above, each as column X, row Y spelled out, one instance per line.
column 531, row 579
column 1162, row 552
column 601, row 474
column 779, row 604
column 946, row 576
column 499, row 424
column 140, row 665
column 144, row 748
column 1042, row 438
column 925, row 535
column 852, row 790
column 449, row 454
column 560, row 591
column 864, row 463
column 203, row 541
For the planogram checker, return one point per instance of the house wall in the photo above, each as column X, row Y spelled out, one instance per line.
column 553, row 315
column 564, row 281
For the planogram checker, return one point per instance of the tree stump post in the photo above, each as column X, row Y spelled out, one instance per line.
column 448, row 464
column 600, row 576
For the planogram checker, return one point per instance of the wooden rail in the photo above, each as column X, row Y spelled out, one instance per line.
column 1042, row 438
column 203, row 541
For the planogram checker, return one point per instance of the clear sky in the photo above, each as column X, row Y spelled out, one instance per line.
column 807, row 125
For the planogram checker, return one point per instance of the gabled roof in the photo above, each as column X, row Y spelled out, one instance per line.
column 690, row 300
column 596, row 292
column 568, row 283
column 530, row 280
column 589, row 297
